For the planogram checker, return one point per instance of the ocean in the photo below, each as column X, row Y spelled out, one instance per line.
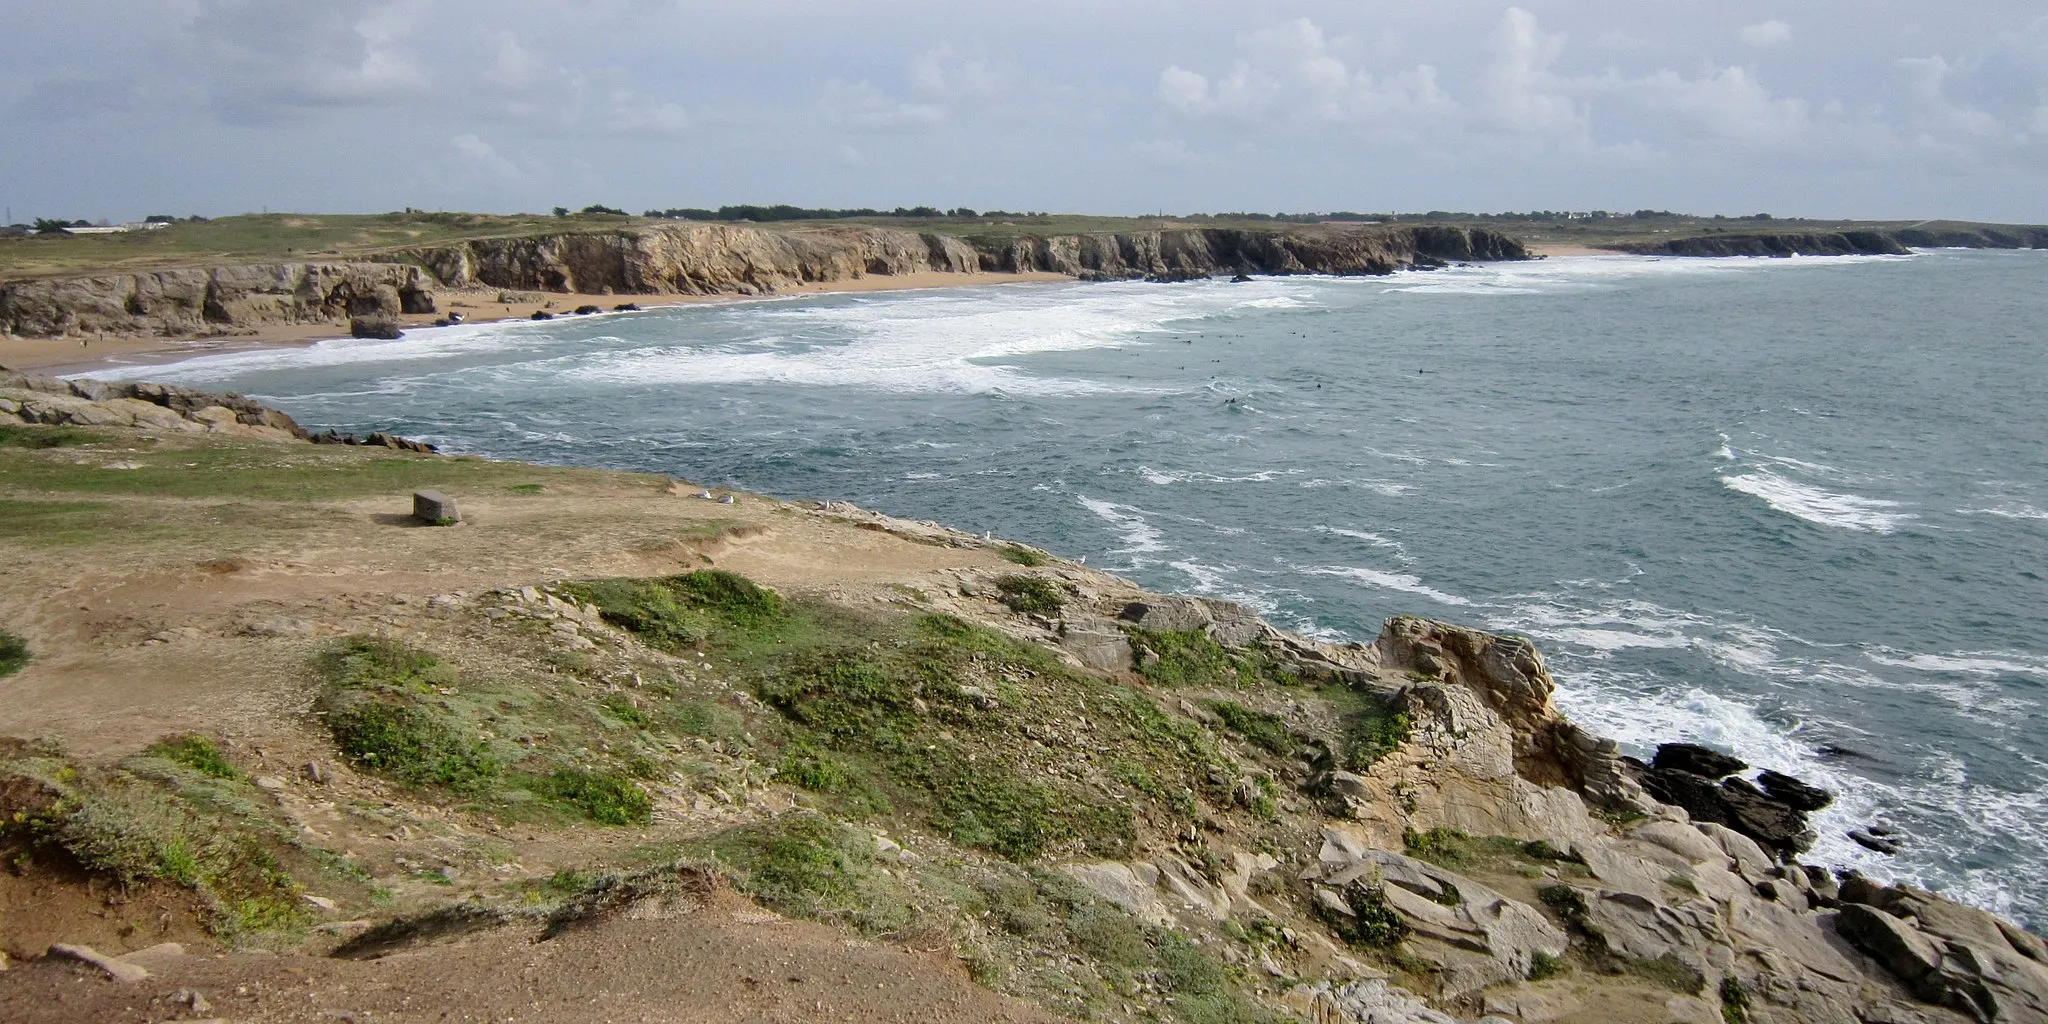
column 1796, row 509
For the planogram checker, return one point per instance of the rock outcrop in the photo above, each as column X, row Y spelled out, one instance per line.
column 213, row 300
column 693, row 259
column 93, row 403
column 1801, row 243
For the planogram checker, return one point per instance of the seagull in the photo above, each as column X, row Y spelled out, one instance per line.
column 706, row 495
column 727, row 500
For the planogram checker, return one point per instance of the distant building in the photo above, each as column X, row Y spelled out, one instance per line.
column 16, row 231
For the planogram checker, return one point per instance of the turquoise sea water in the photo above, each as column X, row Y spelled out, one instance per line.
column 1793, row 508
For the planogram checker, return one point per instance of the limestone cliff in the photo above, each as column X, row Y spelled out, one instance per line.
column 694, row 259
column 212, row 300
column 1890, row 242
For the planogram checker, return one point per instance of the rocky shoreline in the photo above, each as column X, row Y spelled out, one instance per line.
column 692, row 259
column 1485, row 843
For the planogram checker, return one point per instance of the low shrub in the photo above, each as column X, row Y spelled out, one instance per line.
column 1189, row 657
column 603, row 797
column 1022, row 556
column 411, row 745
column 14, row 654
column 1032, row 595
column 1372, row 922
column 197, row 753
column 1262, row 729
column 1373, row 732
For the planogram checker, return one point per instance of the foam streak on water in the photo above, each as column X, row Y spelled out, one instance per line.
column 1792, row 508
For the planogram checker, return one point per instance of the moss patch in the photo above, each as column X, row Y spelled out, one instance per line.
column 14, row 654
column 1032, row 595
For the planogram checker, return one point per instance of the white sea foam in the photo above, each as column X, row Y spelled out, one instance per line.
column 1129, row 522
column 1400, row 581
column 2022, row 511
column 1161, row 479
column 1374, row 539
column 1588, row 273
column 1819, row 505
column 1971, row 663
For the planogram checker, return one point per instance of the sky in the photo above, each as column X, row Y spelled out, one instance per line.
column 1832, row 108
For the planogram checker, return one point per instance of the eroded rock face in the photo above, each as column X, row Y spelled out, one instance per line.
column 95, row 403
column 215, row 300
column 1685, row 775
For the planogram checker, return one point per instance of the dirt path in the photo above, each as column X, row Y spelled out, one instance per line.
column 726, row 962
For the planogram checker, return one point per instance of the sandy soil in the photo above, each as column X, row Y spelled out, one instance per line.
column 726, row 961
column 84, row 355
column 1559, row 249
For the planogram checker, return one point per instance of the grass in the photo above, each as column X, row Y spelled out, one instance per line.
column 1262, row 729
column 175, row 814
column 1190, row 658
column 603, row 797
column 197, row 753
column 1543, row 966
column 807, row 865
column 1371, row 729
column 674, row 612
column 1734, row 1001
column 25, row 436
column 14, row 655
column 1372, row 923
column 1023, row 556
column 1032, row 595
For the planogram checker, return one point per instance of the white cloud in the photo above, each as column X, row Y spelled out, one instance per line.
column 948, row 75
column 1522, row 93
column 1291, row 72
column 859, row 106
column 483, row 157
column 1768, row 33
column 263, row 60
column 1163, row 152
column 630, row 113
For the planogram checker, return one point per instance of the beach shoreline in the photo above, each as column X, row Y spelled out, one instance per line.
column 72, row 355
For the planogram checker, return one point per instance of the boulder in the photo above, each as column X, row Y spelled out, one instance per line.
column 435, row 508
column 1696, row 760
column 115, row 969
column 1917, row 960
column 1793, row 793
column 1733, row 802
column 375, row 326
column 1096, row 643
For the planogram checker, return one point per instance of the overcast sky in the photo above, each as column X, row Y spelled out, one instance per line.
column 1872, row 108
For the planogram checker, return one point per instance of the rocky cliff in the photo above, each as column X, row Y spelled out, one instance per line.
column 212, row 300
column 1893, row 242
column 693, row 259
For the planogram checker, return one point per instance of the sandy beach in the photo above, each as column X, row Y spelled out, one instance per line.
column 74, row 354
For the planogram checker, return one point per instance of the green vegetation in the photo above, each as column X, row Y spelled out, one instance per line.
column 1022, row 556
column 1543, row 966
column 411, row 745
column 1734, row 1001
column 1262, row 729
column 27, row 436
column 1371, row 923
column 176, row 814
column 1190, row 658
column 1371, row 728
column 674, row 612
column 1032, row 595
column 197, row 753
column 14, row 655
column 807, row 865
column 1454, row 849
column 603, row 797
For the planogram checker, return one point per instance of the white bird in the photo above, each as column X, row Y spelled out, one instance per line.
column 727, row 500
column 706, row 495
column 1084, row 559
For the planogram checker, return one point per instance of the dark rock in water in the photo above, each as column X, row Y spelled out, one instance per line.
column 586, row 310
column 444, row 322
column 626, row 307
column 1793, row 793
column 378, row 439
column 1734, row 803
column 434, row 508
column 1870, row 840
column 384, row 328
column 542, row 314
column 1837, row 750
column 1240, row 278
column 1697, row 760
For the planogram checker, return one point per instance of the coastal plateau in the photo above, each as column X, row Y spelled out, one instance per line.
column 583, row 745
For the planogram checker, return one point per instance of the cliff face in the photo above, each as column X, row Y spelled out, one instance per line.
column 212, row 300
column 1896, row 242
column 694, row 259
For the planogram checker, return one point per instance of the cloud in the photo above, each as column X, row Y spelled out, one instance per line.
column 483, row 158
column 1163, row 153
column 1522, row 93
column 262, row 60
column 859, row 106
column 1768, row 33
column 1292, row 72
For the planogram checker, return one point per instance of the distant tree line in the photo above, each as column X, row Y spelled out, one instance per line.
column 765, row 214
